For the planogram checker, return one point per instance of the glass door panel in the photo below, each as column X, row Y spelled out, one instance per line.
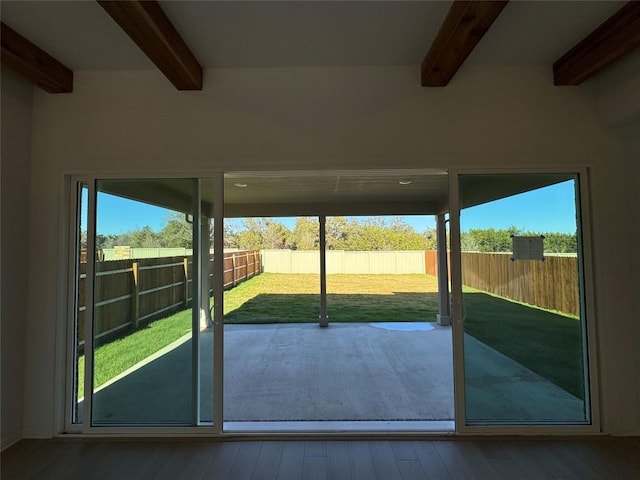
column 523, row 316
column 146, row 302
column 79, row 256
column 206, row 330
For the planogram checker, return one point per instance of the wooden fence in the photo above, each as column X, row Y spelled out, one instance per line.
column 241, row 266
column 552, row 283
column 131, row 293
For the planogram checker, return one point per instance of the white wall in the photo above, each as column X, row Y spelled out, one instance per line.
column 323, row 118
column 617, row 95
column 632, row 147
column 17, row 97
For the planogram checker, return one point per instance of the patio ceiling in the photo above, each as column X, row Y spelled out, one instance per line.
column 312, row 193
column 364, row 192
column 300, row 193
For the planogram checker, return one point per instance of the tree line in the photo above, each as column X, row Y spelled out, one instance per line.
column 342, row 233
column 492, row 240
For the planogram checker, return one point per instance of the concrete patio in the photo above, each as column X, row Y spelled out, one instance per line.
column 359, row 372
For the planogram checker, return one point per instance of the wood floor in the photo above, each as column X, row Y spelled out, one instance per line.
column 495, row 458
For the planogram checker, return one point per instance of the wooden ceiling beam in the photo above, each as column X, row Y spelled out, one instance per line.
column 616, row 37
column 149, row 27
column 462, row 29
column 30, row 62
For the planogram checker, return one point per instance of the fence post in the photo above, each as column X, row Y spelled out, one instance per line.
column 185, row 264
column 135, row 297
column 246, row 266
column 233, row 269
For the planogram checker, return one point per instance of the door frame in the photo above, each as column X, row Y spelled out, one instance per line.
column 587, row 304
column 216, row 429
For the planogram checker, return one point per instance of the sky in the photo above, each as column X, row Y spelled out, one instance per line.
column 550, row 209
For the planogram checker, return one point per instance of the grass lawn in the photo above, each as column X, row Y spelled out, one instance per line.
column 284, row 298
column 114, row 358
column 546, row 342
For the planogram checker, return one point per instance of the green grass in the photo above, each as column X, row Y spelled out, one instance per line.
column 114, row 358
column 281, row 298
column 547, row 343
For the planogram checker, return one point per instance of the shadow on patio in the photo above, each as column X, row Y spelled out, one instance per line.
column 297, row 372
column 520, row 365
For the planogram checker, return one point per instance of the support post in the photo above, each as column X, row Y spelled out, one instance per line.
column 444, row 309
column 324, row 318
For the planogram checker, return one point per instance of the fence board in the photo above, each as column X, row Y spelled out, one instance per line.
column 164, row 286
column 551, row 284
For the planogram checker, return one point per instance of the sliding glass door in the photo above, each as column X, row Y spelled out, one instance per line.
column 147, row 290
column 143, row 331
column 144, row 302
column 519, row 300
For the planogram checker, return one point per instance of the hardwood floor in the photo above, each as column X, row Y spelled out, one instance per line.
column 479, row 458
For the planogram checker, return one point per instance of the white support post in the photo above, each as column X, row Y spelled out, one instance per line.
column 324, row 318
column 444, row 310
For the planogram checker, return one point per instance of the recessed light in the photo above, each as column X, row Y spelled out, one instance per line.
column 405, row 182
column 240, row 185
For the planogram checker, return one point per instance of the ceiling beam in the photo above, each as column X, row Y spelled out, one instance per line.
column 153, row 32
column 616, row 37
column 462, row 29
column 30, row 62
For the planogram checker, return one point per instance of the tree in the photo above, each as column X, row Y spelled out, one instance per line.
column 337, row 231
column 489, row 239
column 376, row 233
column 231, row 228
column 261, row 233
column 560, row 242
column 275, row 235
column 306, row 234
column 145, row 238
column 177, row 232
column 492, row 240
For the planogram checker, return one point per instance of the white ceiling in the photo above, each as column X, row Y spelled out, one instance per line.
column 247, row 34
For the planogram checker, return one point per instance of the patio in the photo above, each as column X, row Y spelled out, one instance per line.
column 362, row 373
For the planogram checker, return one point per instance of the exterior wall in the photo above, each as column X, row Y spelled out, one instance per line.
column 127, row 123
column 17, row 98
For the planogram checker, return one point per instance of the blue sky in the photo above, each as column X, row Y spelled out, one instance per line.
column 118, row 215
column 550, row 209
